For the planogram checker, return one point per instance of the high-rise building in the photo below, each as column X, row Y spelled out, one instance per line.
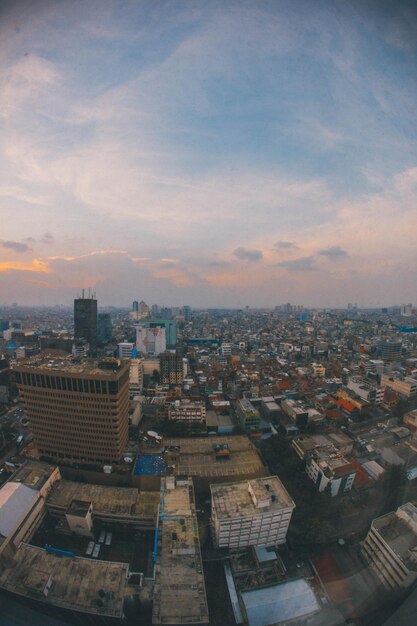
column 104, row 327
column 77, row 412
column 150, row 339
column 135, row 307
column 186, row 311
column 172, row 368
column 85, row 320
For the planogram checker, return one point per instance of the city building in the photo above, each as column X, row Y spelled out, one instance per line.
column 173, row 368
column 78, row 412
column 150, row 339
column 255, row 512
column 366, row 390
column 404, row 386
column 125, row 350
column 104, row 333
column 135, row 377
column 390, row 547
column 85, row 320
column 179, row 595
column 410, row 420
column 249, row 417
column 329, row 470
column 296, row 411
column 192, row 413
column 170, row 327
column 186, row 311
column 389, row 350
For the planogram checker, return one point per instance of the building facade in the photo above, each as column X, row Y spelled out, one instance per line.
column 77, row 412
column 85, row 320
column 390, row 547
column 255, row 512
column 249, row 417
column 172, row 368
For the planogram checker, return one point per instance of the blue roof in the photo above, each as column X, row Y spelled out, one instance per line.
column 150, row 465
column 279, row 603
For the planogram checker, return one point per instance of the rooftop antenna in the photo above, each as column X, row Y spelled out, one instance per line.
column 83, row 293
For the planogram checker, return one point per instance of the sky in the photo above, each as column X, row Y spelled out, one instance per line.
column 216, row 154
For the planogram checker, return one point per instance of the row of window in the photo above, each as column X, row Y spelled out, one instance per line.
column 80, row 385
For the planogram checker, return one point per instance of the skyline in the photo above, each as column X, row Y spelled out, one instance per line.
column 216, row 156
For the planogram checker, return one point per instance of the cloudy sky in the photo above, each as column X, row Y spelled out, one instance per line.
column 208, row 153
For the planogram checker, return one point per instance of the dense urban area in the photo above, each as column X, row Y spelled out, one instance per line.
column 183, row 466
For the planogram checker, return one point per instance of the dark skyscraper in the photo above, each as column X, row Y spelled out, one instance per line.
column 104, row 327
column 85, row 320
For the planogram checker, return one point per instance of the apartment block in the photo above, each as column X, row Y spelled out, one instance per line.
column 366, row 391
column 254, row 512
column 192, row 412
column 172, row 368
column 390, row 547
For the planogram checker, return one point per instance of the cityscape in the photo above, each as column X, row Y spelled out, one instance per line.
column 208, row 315
column 208, row 466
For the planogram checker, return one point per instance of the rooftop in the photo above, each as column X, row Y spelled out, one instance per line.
column 34, row 474
column 234, row 499
column 179, row 595
column 75, row 581
column 68, row 366
column 399, row 531
column 15, row 502
column 124, row 502
column 197, row 457
column 279, row 603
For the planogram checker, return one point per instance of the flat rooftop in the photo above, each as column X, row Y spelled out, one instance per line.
column 179, row 594
column 197, row 457
column 121, row 502
column 234, row 499
column 68, row 366
column 400, row 537
column 75, row 581
column 34, row 474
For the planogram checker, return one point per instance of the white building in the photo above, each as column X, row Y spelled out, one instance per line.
column 226, row 349
column 366, row 391
column 253, row 512
column 404, row 386
column 390, row 547
column 327, row 468
column 151, row 340
column 125, row 350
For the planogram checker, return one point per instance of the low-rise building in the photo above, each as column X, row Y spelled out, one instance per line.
column 251, row 513
column 404, row 386
column 249, row 417
column 390, row 547
column 190, row 412
column 296, row 411
column 410, row 420
column 329, row 469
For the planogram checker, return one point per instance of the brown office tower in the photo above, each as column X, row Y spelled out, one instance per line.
column 78, row 412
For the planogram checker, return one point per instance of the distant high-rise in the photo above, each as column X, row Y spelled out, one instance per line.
column 135, row 306
column 85, row 320
column 186, row 311
column 104, row 327
column 77, row 413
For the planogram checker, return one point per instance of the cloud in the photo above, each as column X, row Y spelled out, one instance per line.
column 283, row 245
column 302, row 264
column 35, row 266
column 334, row 252
column 16, row 246
column 245, row 254
column 47, row 238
